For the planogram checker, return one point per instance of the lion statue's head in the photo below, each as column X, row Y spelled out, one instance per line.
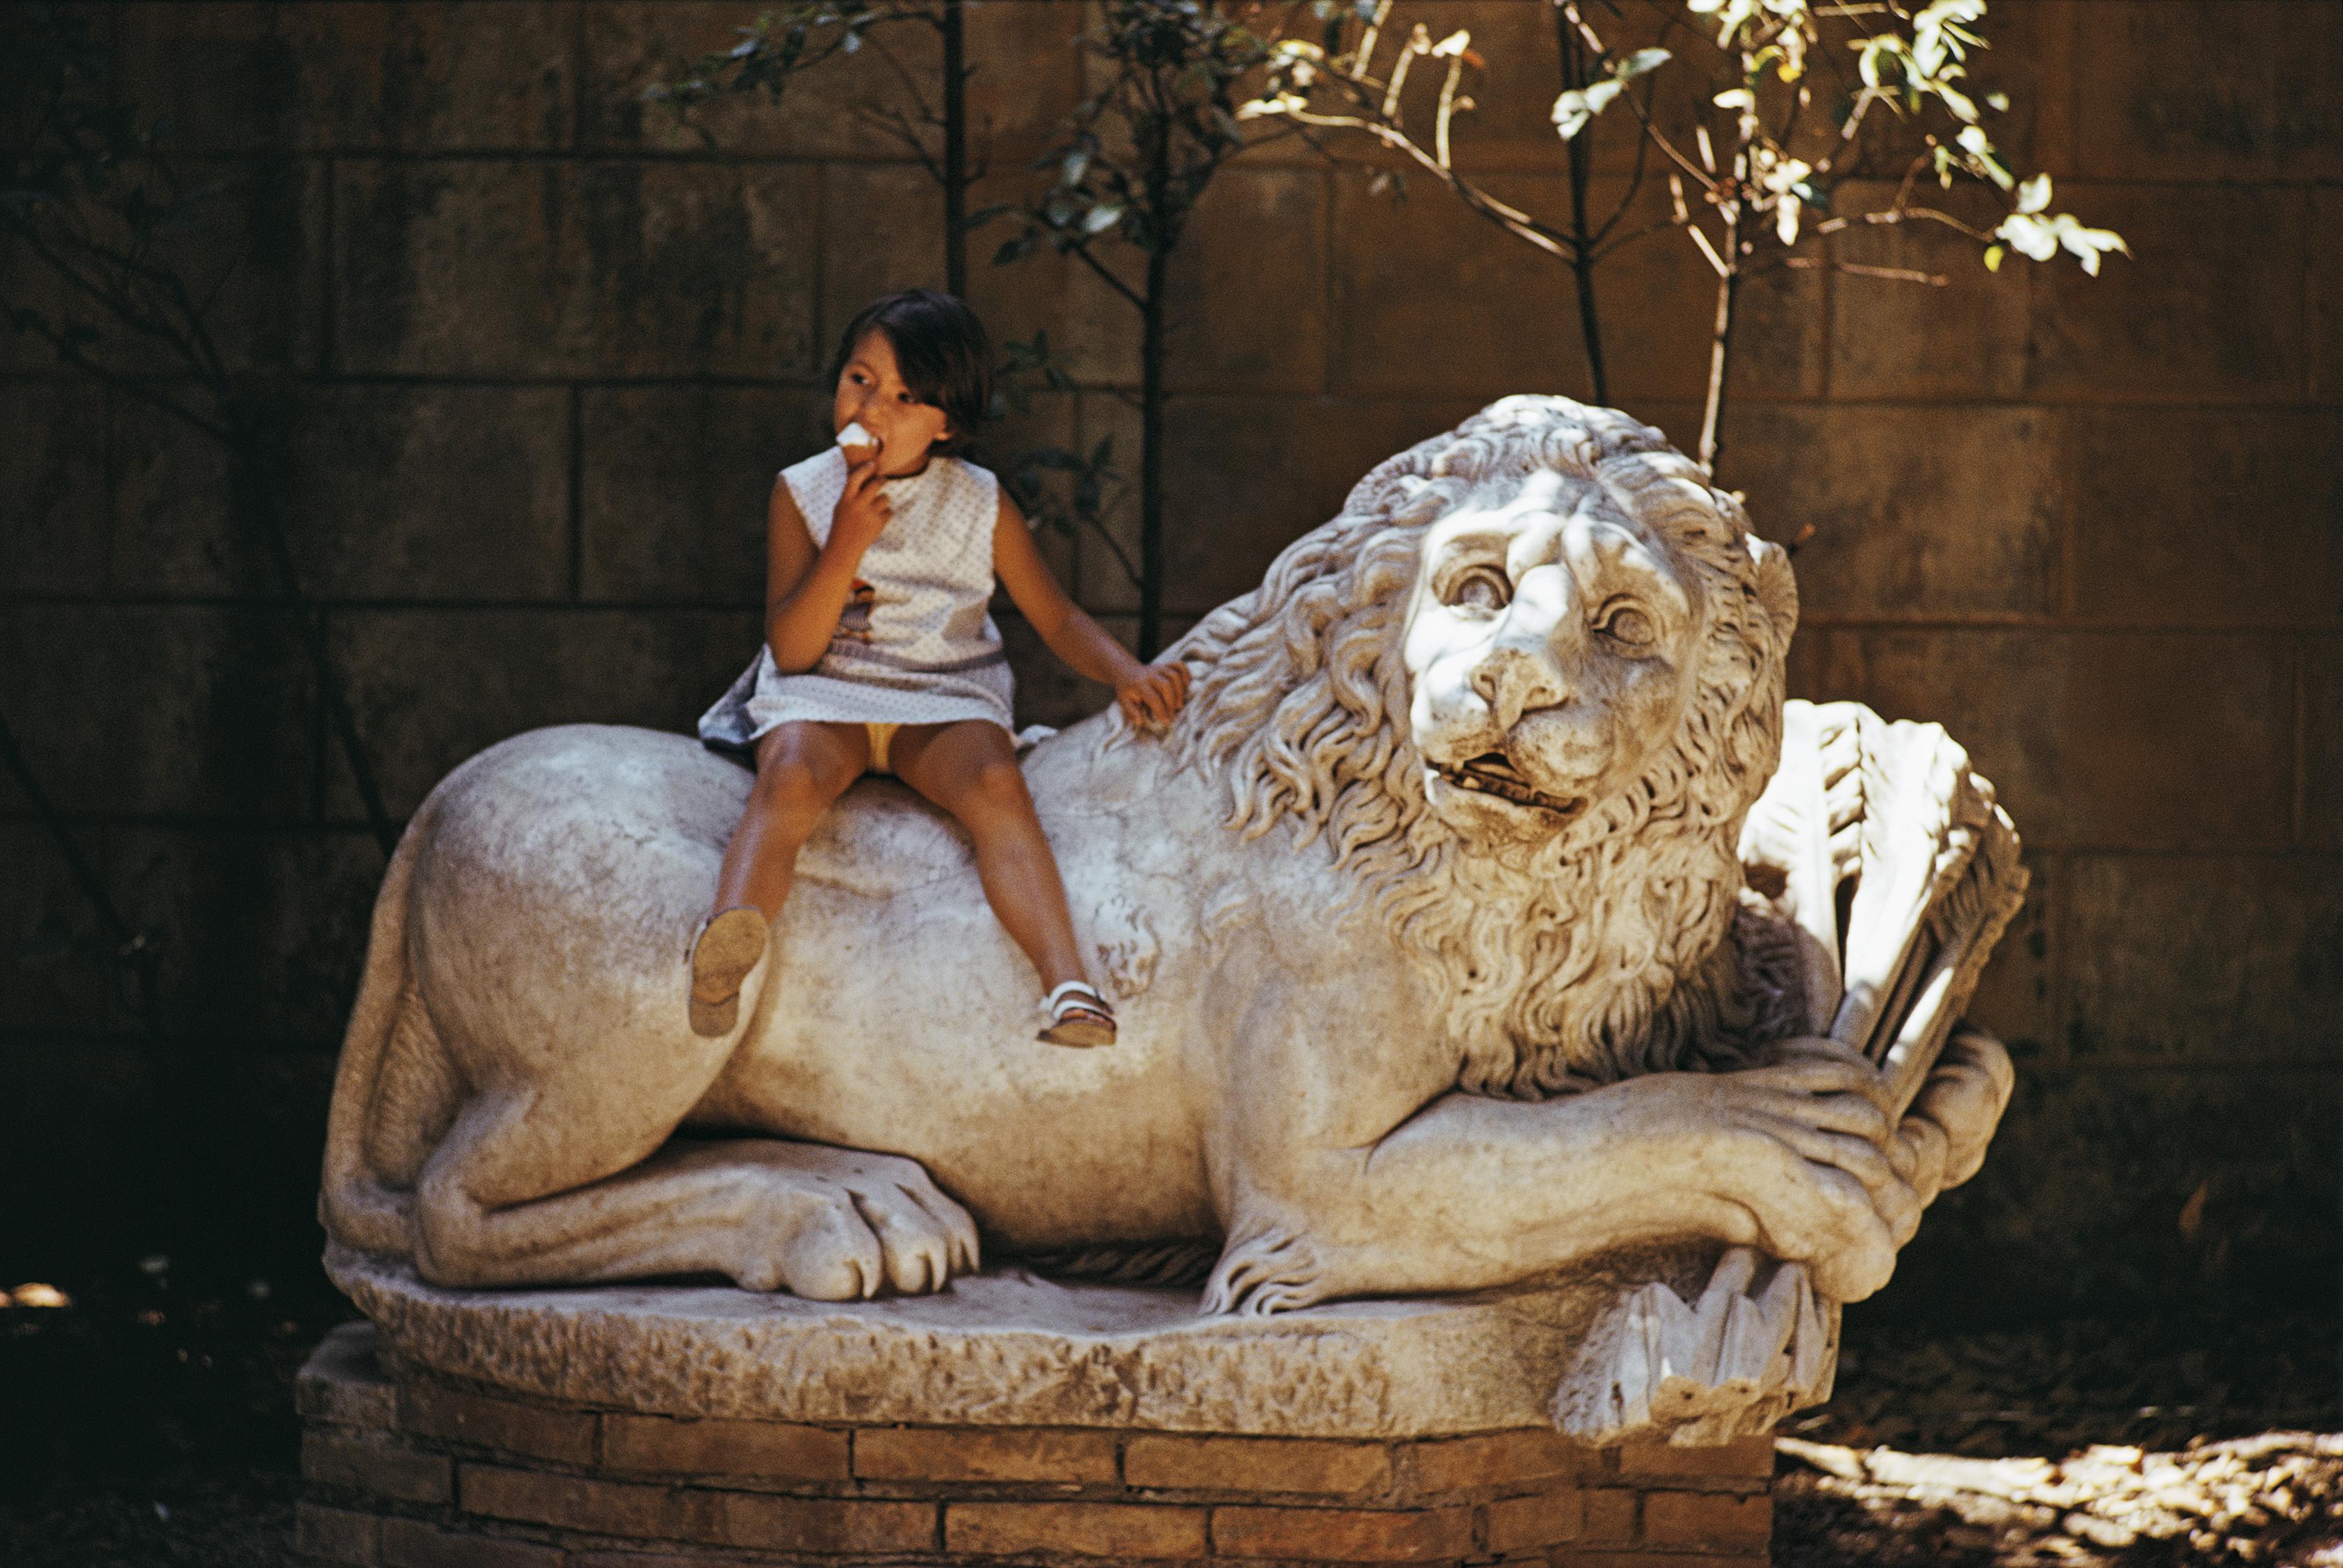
column 1526, row 685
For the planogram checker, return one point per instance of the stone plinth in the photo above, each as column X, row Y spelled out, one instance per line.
column 1006, row 1420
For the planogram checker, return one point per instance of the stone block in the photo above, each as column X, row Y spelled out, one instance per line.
column 343, row 1384
column 1186, row 1464
column 2203, row 517
column 1524, row 1523
column 350, row 78
column 2244, row 90
column 944, row 1454
column 1025, row 81
column 1247, row 287
column 2093, row 739
column 1501, row 320
column 249, row 242
column 1503, row 1458
column 1918, row 512
column 882, row 229
column 196, row 710
column 1609, row 1516
column 412, row 1544
column 337, row 1536
column 2207, row 310
column 2325, row 313
column 259, row 933
column 389, row 492
column 377, row 1467
column 1707, row 1519
column 1505, row 318
column 775, row 1451
column 824, row 1524
column 1245, row 478
column 2018, row 997
column 54, row 472
column 674, row 486
column 1637, row 1558
column 495, row 267
column 2079, row 1204
column 1122, row 1530
column 1343, row 1534
column 583, row 1503
column 429, row 686
column 538, row 1431
column 1743, row 1458
column 2204, row 958
column 1897, row 339
column 2319, row 812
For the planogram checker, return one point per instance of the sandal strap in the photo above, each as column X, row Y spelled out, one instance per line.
column 1075, row 994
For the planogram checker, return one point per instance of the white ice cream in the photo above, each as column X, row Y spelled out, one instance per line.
column 854, row 435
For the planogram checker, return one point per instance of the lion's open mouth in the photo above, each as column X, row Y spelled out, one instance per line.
column 1491, row 774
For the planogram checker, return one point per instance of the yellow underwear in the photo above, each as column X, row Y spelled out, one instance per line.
column 881, row 736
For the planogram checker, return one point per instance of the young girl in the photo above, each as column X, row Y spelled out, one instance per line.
column 880, row 657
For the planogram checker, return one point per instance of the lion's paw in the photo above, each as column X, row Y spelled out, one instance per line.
column 1268, row 1271
column 840, row 1225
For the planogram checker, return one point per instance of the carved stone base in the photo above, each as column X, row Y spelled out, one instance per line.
column 1008, row 1419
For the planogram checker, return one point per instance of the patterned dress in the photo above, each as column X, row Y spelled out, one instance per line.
column 916, row 644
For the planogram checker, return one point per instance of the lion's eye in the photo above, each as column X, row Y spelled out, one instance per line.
column 1626, row 625
column 1483, row 588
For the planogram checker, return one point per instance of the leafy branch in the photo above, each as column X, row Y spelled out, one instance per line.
column 1759, row 157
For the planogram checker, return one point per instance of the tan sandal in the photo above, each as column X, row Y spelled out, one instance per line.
column 728, row 948
column 1078, row 1017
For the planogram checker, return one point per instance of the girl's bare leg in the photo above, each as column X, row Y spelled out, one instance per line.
column 969, row 768
column 801, row 769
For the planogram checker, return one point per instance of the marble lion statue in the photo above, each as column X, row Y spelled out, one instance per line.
column 1447, row 949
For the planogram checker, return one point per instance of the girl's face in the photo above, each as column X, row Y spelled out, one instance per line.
column 870, row 393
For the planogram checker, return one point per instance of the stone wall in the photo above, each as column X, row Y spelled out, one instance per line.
column 540, row 347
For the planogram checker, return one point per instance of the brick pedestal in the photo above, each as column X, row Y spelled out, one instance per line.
column 417, row 1470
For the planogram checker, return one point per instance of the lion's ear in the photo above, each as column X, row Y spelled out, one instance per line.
column 1777, row 591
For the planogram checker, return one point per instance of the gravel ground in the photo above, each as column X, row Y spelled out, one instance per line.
column 149, row 1424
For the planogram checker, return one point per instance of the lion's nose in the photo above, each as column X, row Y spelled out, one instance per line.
column 1513, row 680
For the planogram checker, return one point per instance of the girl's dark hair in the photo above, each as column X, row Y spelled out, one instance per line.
column 941, row 350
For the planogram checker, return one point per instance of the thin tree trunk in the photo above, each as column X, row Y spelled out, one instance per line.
column 955, row 151
column 1150, row 461
column 1720, row 351
column 1581, row 258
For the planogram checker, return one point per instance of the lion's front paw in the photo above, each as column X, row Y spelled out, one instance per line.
column 837, row 1226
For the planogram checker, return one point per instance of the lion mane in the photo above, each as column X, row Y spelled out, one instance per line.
column 1598, row 954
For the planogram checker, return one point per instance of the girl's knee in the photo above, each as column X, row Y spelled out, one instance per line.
column 996, row 787
column 789, row 792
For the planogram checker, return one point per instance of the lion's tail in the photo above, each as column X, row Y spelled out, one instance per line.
column 354, row 1204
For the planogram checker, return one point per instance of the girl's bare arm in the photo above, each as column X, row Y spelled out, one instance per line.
column 806, row 586
column 1150, row 694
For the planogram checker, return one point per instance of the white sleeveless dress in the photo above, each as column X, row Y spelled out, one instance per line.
column 916, row 644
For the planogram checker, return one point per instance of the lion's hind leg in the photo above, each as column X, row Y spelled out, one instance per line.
column 518, row 1193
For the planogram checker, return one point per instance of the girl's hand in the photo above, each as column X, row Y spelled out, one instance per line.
column 1152, row 695
column 864, row 509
